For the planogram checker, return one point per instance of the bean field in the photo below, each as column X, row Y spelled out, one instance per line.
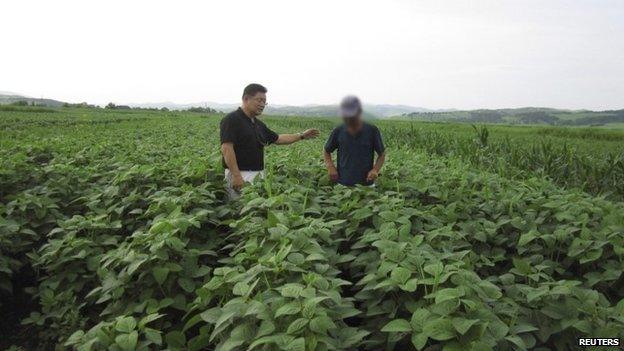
column 115, row 234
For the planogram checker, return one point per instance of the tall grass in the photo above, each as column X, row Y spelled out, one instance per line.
column 561, row 160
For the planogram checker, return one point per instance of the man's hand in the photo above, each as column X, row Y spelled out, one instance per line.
column 286, row 139
column 310, row 134
column 372, row 175
column 237, row 182
column 333, row 174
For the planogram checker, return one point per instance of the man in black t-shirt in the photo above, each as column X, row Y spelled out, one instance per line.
column 356, row 142
column 244, row 136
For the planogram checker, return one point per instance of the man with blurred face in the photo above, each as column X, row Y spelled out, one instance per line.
column 356, row 142
column 244, row 136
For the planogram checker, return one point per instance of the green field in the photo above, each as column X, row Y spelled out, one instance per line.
column 115, row 234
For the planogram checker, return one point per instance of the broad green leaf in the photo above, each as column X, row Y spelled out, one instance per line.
column 419, row 317
column 591, row 255
column 439, row 329
column 160, row 274
column 160, row 227
column 316, row 257
column 410, row 286
column 74, row 338
column 187, row 284
column 522, row 328
column 419, row 340
column 516, row 340
column 266, row 327
column 127, row 342
column 434, row 269
column 240, row 289
column 345, row 258
column 261, row 341
column 462, row 325
column 527, row 237
column 578, row 246
column 361, row 213
column 490, row 290
column 498, row 329
column 229, row 344
column 335, row 222
column 397, row 325
column 537, row 293
column 522, row 266
column 584, row 327
column 448, row 294
column 291, row 290
column 296, row 345
column 211, row 315
column 480, row 345
column 200, row 342
column 132, row 267
column 296, row 258
column 149, row 318
column 619, row 308
column 352, row 336
column 297, row 325
column 288, row 309
column 243, row 331
column 153, row 336
column 214, row 283
column 321, row 324
column 400, row 275
column 125, row 325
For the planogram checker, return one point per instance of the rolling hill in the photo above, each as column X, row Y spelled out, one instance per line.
column 11, row 98
column 526, row 115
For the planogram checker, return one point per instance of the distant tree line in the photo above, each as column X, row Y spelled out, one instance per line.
column 613, row 117
column 26, row 103
column 80, row 104
column 523, row 117
column 485, row 116
column 113, row 106
column 539, row 117
column 202, row 110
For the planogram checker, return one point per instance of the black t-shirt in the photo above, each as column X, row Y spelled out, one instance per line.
column 249, row 136
column 355, row 152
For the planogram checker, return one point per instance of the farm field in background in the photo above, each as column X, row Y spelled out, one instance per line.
column 115, row 234
column 526, row 115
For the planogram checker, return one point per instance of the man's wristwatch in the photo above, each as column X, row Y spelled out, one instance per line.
column 301, row 136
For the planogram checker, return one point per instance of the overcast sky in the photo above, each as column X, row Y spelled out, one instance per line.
column 435, row 54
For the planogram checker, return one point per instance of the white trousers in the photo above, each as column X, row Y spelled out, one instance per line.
column 248, row 176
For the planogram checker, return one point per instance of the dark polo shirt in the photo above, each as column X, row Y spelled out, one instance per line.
column 355, row 152
column 249, row 136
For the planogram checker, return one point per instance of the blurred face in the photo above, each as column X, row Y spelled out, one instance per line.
column 353, row 122
column 255, row 104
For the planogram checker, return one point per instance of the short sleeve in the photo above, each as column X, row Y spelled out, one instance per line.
column 332, row 141
column 271, row 136
column 378, row 144
column 228, row 130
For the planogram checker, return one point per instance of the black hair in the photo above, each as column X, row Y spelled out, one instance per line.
column 253, row 89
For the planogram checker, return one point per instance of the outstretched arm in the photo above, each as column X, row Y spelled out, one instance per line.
column 285, row 139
